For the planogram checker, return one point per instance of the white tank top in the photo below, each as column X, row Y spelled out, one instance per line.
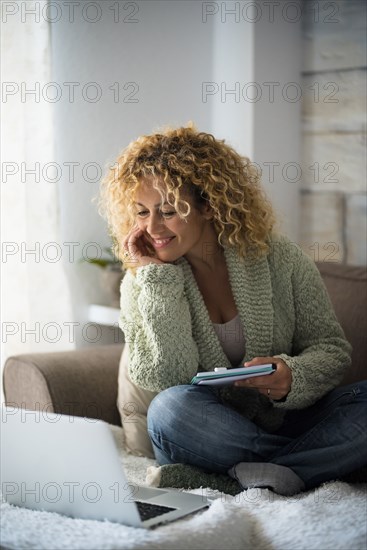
column 232, row 339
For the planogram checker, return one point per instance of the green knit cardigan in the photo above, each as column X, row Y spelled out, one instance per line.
column 284, row 309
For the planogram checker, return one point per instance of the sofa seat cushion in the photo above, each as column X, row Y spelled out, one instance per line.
column 133, row 403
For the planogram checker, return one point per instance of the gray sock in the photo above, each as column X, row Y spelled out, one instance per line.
column 280, row 479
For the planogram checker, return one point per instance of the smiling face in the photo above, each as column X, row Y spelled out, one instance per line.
column 171, row 236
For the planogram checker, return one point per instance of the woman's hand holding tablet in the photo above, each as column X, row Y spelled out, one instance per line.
column 224, row 376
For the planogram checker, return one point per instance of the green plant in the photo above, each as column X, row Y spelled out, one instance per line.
column 110, row 261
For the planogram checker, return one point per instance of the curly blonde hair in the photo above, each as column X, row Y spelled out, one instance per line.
column 183, row 160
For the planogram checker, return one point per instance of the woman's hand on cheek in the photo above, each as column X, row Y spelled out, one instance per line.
column 274, row 386
column 135, row 248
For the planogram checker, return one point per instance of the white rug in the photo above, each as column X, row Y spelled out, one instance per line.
column 329, row 518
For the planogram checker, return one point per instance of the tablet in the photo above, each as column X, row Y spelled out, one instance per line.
column 223, row 376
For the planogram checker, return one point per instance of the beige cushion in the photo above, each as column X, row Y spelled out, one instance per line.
column 133, row 403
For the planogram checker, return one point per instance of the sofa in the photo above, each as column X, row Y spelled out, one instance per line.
column 84, row 382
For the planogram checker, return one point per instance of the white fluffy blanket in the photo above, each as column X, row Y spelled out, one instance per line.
column 331, row 517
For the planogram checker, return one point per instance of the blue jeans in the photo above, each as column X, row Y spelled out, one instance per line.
column 189, row 424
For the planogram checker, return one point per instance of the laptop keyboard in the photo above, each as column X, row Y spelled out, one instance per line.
column 148, row 511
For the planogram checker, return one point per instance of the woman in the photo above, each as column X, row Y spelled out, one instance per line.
column 211, row 284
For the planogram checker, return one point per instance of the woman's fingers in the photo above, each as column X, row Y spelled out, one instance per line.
column 132, row 244
column 273, row 386
column 135, row 248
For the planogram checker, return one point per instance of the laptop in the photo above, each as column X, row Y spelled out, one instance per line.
column 71, row 465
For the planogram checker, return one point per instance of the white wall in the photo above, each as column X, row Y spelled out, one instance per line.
column 277, row 115
column 256, row 53
column 233, row 66
column 167, row 54
column 35, row 301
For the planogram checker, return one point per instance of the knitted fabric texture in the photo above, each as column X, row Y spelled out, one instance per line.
column 284, row 309
column 185, row 476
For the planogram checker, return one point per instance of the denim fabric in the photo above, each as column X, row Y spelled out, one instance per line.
column 189, row 424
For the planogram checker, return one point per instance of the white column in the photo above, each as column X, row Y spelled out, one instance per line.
column 277, row 114
column 256, row 54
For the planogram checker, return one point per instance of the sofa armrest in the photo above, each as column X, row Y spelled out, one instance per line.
column 79, row 382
